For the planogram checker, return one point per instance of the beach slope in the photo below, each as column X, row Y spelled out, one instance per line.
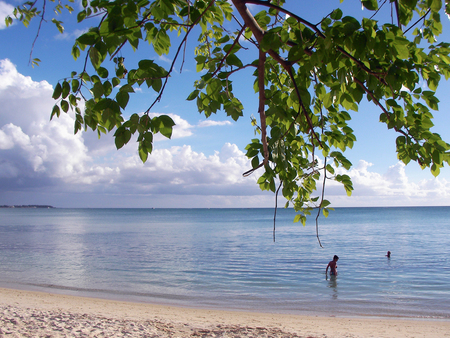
column 39, row 314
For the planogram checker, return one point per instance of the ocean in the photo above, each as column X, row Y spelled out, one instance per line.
column 227, row 259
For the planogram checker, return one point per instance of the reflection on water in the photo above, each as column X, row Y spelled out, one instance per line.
column 226, row 258
column 332, row 284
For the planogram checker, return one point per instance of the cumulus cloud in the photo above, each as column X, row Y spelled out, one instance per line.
column 181, row 129
column 36, row 153
column 183, row 171
column 32, row 146
column 5, row 10
column 392, row 188
column 41, row 161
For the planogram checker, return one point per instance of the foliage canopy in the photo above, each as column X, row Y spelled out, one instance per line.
column 309, row 77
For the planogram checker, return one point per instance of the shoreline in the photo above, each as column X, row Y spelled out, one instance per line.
column 36, row 313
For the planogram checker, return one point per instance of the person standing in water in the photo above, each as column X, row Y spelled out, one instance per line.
column 333, row 266
column 388, row 255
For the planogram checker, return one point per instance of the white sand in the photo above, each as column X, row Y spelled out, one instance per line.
column 38, row 314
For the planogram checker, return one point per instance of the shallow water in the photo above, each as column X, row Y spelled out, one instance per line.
column 226, row 258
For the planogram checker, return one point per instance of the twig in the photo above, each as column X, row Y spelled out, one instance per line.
column 262, row 104
column 420, row 19
column 39, row 29
column 229, row 51
column 158, row 98
column 276, row 207
column 321, row 201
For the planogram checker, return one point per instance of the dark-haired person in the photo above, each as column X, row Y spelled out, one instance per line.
column 333, row 266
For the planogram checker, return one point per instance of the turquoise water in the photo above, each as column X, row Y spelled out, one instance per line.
column 226, row 258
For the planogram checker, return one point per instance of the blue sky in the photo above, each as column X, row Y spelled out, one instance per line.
column 42, row 162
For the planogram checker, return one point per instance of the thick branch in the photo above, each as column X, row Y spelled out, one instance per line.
column 397, row 10
column 281, row 9
column 259, row 34
column 313, row 27
column 257, row 31
column 262, row 112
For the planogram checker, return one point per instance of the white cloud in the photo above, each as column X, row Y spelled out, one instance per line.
column 209, row 123
column 165, row 59
column 181, row 129
column 70, row 36
column 36, row 153
column 181, row 170
column 5, row 10
column 393, row 188
column 41, row 161
column 31, row 145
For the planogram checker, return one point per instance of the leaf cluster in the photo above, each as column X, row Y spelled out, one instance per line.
column 310, row 79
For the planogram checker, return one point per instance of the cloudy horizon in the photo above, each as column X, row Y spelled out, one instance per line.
column 43, row 162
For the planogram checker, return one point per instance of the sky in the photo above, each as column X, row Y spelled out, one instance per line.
column 43, row 162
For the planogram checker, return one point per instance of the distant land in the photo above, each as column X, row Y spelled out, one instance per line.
column 27, row 206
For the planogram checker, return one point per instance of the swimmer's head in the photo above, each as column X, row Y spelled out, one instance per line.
column 335, row 257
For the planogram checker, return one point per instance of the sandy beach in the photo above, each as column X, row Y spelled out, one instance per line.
column 39, row 314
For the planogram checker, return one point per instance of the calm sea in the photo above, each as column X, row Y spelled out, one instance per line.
column 226, row 258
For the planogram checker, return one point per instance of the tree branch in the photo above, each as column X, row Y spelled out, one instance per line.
column 262, row 112
column 229, row 51
column 38, row 30
column 262, row 104
column 420, row 19
column 158, row 98
column 377, row 102
column 257, row 31
column 276, row 208
column 398, row 14
column 285, row 11
column 303, row 108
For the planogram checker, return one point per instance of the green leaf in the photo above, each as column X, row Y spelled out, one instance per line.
column 115, row 81
column 156, row 85
column 122, row 98
column 65, row 89
column 166, row 125
column 143, row 153
column 102, row 72
column 233, row 60
column 436, row 5
column 64, row 106
column 193, row 95
column 255, row 162
column 55, row 111
column 95, row 57
column 401, row 47
column 57, row 92
column 75, row 85
column 371, row 5
column 90, row 38
column 271, row 41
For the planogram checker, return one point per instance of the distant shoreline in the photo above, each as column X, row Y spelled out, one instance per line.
column 28, row 206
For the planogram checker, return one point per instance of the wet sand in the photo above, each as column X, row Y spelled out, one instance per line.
column 40, row 314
